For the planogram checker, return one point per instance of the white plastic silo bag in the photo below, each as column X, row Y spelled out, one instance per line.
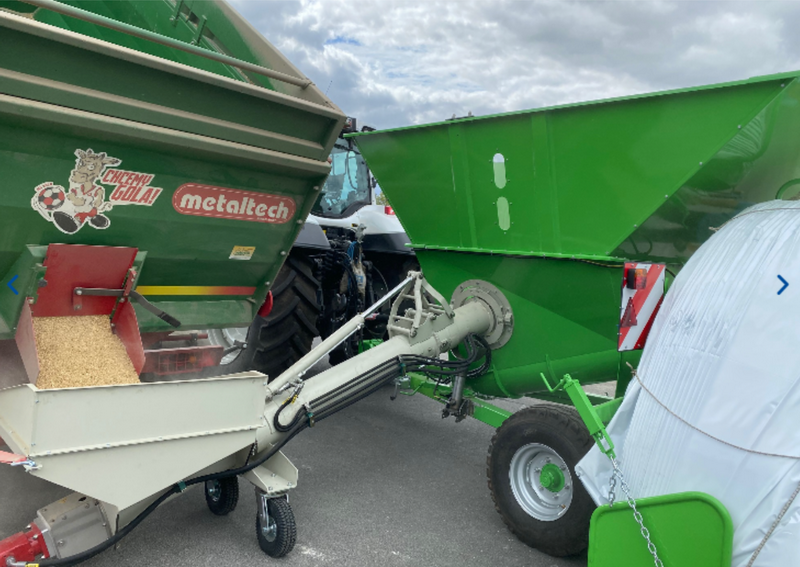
column 723, row 356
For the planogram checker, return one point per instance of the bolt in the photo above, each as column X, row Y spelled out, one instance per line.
column 316, row 187
column 273, row 474
column 547, row 460
column 299, row 221
column 701, row 163
column 566, row 487
column 541, row 486
column 783, row 84
column 739, row 126
column 290, row 485
column 666, row 196
column 122, row 300
column 267, row 283
column 563, row 468
column 537, row 470
column 60, row 543
column 35, row 537
column 283, row 253
column 79, row 292
column 269, row 489
column 634, row 226
column 30, row 300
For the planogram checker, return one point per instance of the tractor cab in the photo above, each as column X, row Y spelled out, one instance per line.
column 350, row 185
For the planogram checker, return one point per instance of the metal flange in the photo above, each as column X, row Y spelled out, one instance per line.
column 497, row 304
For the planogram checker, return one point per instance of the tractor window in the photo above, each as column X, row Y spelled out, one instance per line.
column 347, row 184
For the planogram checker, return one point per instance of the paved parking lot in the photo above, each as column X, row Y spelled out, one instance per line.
column 381, row 483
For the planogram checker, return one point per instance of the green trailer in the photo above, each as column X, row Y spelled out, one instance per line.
column 560, row 209
column 181, row 132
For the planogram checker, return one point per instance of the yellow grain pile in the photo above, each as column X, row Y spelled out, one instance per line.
column 80, row 351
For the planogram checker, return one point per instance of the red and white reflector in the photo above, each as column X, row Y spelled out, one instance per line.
column 642, row 294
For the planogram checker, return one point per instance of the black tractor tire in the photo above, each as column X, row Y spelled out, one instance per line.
column 222, row 495
column 560, row 429
column 280, row 542
column 280, row 339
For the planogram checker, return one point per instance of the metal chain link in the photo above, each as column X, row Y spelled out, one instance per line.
column 612, row 484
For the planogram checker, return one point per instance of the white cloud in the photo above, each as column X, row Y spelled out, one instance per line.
column 393, row 63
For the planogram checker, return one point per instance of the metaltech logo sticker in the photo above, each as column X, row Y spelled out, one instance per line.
column 222, row 203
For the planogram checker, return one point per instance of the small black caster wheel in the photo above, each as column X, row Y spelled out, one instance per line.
column 222, row 495
column 275, row 526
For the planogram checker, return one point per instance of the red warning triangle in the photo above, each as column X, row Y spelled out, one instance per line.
column 629, row 317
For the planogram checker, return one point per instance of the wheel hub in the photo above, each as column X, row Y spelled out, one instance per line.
column 541, row 482
column 228, row 338
column 214, row 490
column 269, row 528
column 552, row 478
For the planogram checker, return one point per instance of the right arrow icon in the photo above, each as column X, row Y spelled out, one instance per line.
column 785, row 285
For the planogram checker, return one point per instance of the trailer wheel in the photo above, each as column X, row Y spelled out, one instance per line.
column 531, row 470
column 275, row 527
column 279, row 340
column 222, row 495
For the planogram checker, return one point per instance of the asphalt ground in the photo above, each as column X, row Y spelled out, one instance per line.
column 381, row 483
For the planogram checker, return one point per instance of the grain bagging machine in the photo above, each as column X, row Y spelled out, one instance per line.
column 577, row 216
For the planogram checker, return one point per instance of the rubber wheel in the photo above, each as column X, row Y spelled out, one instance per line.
column 553, row 521
column 279, row 340
column 222, row 495
column 277, row 539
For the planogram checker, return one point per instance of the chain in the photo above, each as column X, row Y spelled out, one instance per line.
column 612, row 484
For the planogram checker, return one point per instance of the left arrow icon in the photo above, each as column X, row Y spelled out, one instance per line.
column 11, row 281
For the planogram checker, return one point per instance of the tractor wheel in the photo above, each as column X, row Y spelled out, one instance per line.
column 531, row 470
column 279, row 340
column 276, row 529
column 222, row 495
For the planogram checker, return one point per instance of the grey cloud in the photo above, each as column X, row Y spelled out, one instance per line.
column 401, row 62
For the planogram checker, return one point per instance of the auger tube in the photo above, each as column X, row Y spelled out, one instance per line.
column 473, row 317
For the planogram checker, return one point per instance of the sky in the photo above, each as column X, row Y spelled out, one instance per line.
column 396, row 63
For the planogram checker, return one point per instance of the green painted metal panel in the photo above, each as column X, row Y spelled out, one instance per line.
column 582, row 179
column 690, row 529
column 545, row 204
column 161, row 123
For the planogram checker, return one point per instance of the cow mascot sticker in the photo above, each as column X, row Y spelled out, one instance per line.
column 84, row 203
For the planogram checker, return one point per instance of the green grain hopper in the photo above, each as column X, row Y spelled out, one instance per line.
column 560, row 211
column 170, row 127
column 547, row 204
